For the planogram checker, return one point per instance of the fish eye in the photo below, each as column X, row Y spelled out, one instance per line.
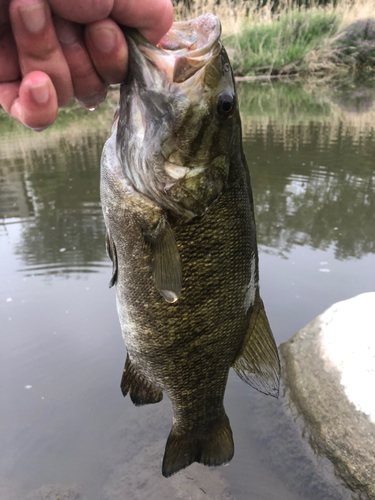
column 225, row 104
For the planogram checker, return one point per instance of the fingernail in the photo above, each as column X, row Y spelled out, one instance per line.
column 33, row 17
column 38, row 129
column 17, row 112
column 93, row 102
column 104, row 39
column 40, row 92
column 66, row 33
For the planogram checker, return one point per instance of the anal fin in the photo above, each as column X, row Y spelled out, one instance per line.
column 258, row 362
column 141, row 391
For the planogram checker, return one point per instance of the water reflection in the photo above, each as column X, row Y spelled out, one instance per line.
column 56, row 194
column 356, row 97
column 63, row 421
column 313, row 185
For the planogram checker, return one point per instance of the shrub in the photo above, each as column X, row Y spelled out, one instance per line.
column 284, row 42
column 356, row 44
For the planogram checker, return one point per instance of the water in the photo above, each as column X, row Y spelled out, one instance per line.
column 64, row 427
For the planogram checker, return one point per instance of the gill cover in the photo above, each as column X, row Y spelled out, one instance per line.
column 176, row 117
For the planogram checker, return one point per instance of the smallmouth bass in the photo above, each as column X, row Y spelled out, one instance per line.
column 178, row 209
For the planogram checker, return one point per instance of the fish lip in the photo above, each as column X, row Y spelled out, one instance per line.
column 181, row 53
column 207, row 23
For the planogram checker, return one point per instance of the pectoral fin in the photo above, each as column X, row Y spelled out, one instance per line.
column 111, row 252
column 166, row 263
column 258, row 361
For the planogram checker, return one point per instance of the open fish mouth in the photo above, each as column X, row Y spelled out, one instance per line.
column 195, row 37
column 181, row 53
column 173, row 132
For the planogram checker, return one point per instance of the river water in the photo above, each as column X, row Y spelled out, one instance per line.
column 65, row 430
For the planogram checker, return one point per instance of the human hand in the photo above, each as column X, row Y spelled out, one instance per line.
column 52, row 50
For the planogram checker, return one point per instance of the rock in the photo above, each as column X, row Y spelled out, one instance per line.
column 56, row 492
column 10, row 491
column 141, row 478
column 329, row 373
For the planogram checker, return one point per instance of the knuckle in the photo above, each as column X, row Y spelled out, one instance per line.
column 102, row 8
column 84, row 72
column 93, row 10
column 42, row 53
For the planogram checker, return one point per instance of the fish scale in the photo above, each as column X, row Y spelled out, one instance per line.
column 186, row 282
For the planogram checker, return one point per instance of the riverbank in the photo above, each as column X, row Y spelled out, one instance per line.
column 288, row 40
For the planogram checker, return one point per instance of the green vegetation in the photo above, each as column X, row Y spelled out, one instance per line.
column 284, row 37
column 356, row 44
column 281, row 46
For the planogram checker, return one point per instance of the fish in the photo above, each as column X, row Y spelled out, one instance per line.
column 180, row 231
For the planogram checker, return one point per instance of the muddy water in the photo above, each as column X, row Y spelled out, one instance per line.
column 64, row 427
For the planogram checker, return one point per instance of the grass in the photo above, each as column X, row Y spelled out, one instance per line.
column 289, row 39
column 280, row 46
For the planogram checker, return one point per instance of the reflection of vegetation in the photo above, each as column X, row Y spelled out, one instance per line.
column 358, row 100
column 286, row 102
column 54, row 177
column 68, row 227
column 311, row 163
column 71, row 123
column 299, row 102
column 319, row 192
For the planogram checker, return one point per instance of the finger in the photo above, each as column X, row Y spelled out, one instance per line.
column 37, row 44
column 153, row 19
column 33, row 101
column 9, row 66
column 4, row 12
column 108, row 50
column 82, row 12
column 89, row 89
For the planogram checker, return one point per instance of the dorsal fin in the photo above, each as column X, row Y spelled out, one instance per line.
column 258, row 362
column 166, row 263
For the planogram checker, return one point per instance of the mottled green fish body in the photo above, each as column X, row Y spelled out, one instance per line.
column 178, row 208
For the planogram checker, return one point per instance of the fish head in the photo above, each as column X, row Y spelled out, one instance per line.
column 178, row 116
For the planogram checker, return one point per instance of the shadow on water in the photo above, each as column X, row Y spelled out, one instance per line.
column 65, row 429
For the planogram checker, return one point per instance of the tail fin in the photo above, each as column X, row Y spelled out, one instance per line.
column 215, row 447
